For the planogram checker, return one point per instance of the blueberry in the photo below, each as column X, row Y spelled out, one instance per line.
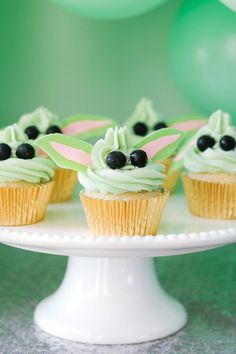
column 115, row 159
column 53, row 129
column 32, row 132
column 227, row 143
column 204, row 142
column 138, row 158
column 25, row 151
column 5, row 151
column 140, row 129
column 159, row 125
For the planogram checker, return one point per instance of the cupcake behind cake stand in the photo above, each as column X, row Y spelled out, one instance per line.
column 110, row 293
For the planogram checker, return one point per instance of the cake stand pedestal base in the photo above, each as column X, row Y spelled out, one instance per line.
column 110, row 301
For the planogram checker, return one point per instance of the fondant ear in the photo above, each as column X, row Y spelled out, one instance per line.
column 42, row 153
column 187, row 124
column 66, row 151
column 86, row 126
column 160, row 144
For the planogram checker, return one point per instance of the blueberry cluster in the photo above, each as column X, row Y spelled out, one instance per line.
column 24, row 151
column 32, row 131
column 116, row 159
column 226, row 143
column 141, row 129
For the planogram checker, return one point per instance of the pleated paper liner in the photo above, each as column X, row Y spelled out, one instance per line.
column 211, row 196
column 129, row 214
column 171, row 179
column 23, row 203
column 65, row 181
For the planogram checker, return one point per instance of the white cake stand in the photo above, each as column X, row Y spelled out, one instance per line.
column 110, row 293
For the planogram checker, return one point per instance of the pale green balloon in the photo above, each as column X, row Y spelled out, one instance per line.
column 108, row 9
column 202, row 52
column 231, row 4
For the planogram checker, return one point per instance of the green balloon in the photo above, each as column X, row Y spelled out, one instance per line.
column 108, row 9
column 202, row 52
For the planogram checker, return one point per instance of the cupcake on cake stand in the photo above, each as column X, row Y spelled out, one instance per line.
column 110, row 293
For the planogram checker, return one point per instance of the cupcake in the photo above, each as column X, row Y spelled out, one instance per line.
column 26, row 180
column 42, row 122
column 123, row 192
column 145, row 120
column 210, row 163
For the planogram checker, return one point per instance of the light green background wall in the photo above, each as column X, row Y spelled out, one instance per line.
column 73, row 65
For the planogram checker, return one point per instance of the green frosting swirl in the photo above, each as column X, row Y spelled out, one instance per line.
column 213, row 160
column 42, row 118
column 100, row 178
column 144, row 113
column 36, row 170
column 13, row 136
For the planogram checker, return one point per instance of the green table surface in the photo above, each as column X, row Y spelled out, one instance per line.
column 204, row 282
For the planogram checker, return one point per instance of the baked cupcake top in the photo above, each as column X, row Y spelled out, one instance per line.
column 19, row 160
column 114, row 165
column 42, row 121
column 212, row 150
column 146, row 120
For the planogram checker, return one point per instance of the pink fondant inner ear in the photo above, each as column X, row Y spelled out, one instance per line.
column 189, row 125
column 42, row 153
column 83, row 126
column 154, row 147
column 72, row 154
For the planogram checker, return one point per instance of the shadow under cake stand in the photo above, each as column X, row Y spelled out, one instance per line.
column 110, row 293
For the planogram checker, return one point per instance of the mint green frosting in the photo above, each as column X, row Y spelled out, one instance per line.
column 42, row 118
column 36, row 170
column 144, row 113
column 100, row 178
column 13, row 136
column 213, row 160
